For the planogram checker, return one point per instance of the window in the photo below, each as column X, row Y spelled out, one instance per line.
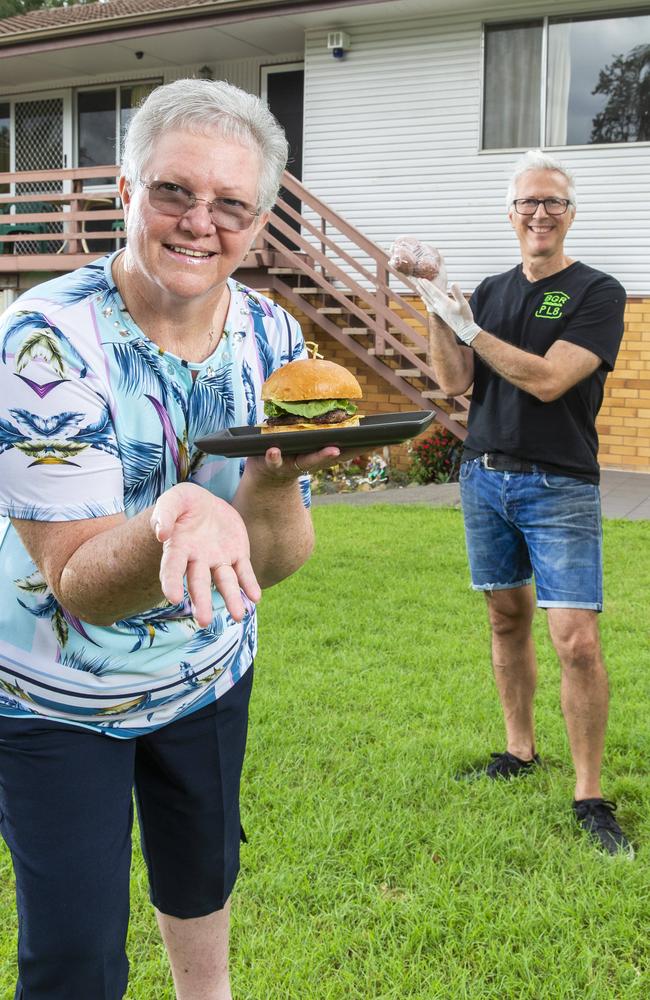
column 130, row 99
column 567, row 81
column 96, row 127
column 100, row 126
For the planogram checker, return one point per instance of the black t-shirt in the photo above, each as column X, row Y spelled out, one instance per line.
column 579, row 305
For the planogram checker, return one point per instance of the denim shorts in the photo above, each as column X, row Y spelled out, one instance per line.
column 534, row 525
column 66, row 811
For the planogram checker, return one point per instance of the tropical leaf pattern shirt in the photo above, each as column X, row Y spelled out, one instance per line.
column 95, row 419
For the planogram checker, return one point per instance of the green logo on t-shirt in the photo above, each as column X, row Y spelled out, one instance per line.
column 551, row 307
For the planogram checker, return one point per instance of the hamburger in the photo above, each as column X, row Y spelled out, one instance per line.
column 310, row 394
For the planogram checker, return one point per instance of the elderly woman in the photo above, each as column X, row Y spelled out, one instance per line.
column 132, row 561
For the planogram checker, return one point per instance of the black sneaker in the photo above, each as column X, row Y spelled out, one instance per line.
column 596, row 817
column 503, row 765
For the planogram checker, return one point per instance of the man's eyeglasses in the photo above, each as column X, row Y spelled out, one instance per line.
column 226, row 213
column 552, row 206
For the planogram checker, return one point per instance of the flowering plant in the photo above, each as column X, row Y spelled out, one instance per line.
column 436, row 458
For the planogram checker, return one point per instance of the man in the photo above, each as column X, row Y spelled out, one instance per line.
column 537, row 343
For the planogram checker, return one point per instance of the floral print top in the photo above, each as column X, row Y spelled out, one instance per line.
column 96, row 419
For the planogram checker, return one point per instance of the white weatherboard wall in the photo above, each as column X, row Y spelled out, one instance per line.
column 392, row 143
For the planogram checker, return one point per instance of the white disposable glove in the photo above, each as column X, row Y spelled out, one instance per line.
column 454, row 309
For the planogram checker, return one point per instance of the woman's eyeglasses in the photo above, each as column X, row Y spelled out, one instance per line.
column 552, row 206
column 172, row 199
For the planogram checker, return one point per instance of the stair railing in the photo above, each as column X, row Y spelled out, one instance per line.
column 355, row 272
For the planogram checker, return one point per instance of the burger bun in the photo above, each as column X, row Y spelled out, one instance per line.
column 310, row 378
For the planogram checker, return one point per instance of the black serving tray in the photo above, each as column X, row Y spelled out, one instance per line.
column 372, row 432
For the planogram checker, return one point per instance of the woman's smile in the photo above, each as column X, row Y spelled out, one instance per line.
column 192, row 255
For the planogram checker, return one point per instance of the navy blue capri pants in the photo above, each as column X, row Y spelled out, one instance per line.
column 66, row 813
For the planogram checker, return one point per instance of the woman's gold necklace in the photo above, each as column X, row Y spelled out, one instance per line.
column 211, row 334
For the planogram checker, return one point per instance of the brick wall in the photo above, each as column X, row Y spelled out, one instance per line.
column 624, row 419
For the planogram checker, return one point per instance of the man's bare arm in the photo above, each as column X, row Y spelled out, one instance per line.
column 546, row 377
column 452, row 362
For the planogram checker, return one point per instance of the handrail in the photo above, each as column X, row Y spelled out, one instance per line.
column 364, row 292
column 62, row 174
column 58, row 221
column 380, row 327
column 354, row 235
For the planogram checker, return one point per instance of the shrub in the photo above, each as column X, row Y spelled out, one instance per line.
column 436, row 458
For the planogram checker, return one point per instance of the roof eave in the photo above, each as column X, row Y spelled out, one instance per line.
column 130, row 25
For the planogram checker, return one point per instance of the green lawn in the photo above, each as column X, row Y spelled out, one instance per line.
column 370, row 872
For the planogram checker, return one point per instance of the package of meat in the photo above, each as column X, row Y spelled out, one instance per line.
column 410, row 256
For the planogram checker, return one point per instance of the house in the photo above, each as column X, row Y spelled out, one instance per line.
column 404, row 116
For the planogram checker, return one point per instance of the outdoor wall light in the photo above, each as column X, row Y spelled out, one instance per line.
column 338, row 43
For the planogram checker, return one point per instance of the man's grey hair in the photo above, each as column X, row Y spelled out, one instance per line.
column 536, row 159
column 208, row 107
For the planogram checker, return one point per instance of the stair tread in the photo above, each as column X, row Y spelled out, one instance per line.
column 398, row 330
column 391, row 352
column 355, row 331
column 434, row 394
column 406, row 372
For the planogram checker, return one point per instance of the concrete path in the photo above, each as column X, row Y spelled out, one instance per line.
column 624, row 495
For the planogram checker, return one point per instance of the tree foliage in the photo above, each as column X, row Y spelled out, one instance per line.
column 626, row 116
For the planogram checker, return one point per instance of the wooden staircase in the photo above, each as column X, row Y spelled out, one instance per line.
column 309, row 255
column 339, row 279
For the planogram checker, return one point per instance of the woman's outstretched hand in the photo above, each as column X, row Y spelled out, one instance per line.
column 205, row 541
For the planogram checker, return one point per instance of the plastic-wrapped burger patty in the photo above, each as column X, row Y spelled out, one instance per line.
column 410, row 256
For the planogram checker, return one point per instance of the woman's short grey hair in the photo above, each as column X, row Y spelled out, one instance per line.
column 205, row 107
column 536, row 159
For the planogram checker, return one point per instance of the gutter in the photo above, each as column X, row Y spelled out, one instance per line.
column 64, row 36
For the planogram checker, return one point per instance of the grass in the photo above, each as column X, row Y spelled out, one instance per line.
column 370, row 872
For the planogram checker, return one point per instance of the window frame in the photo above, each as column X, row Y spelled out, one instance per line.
column 117, row 88
column 546, row 21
